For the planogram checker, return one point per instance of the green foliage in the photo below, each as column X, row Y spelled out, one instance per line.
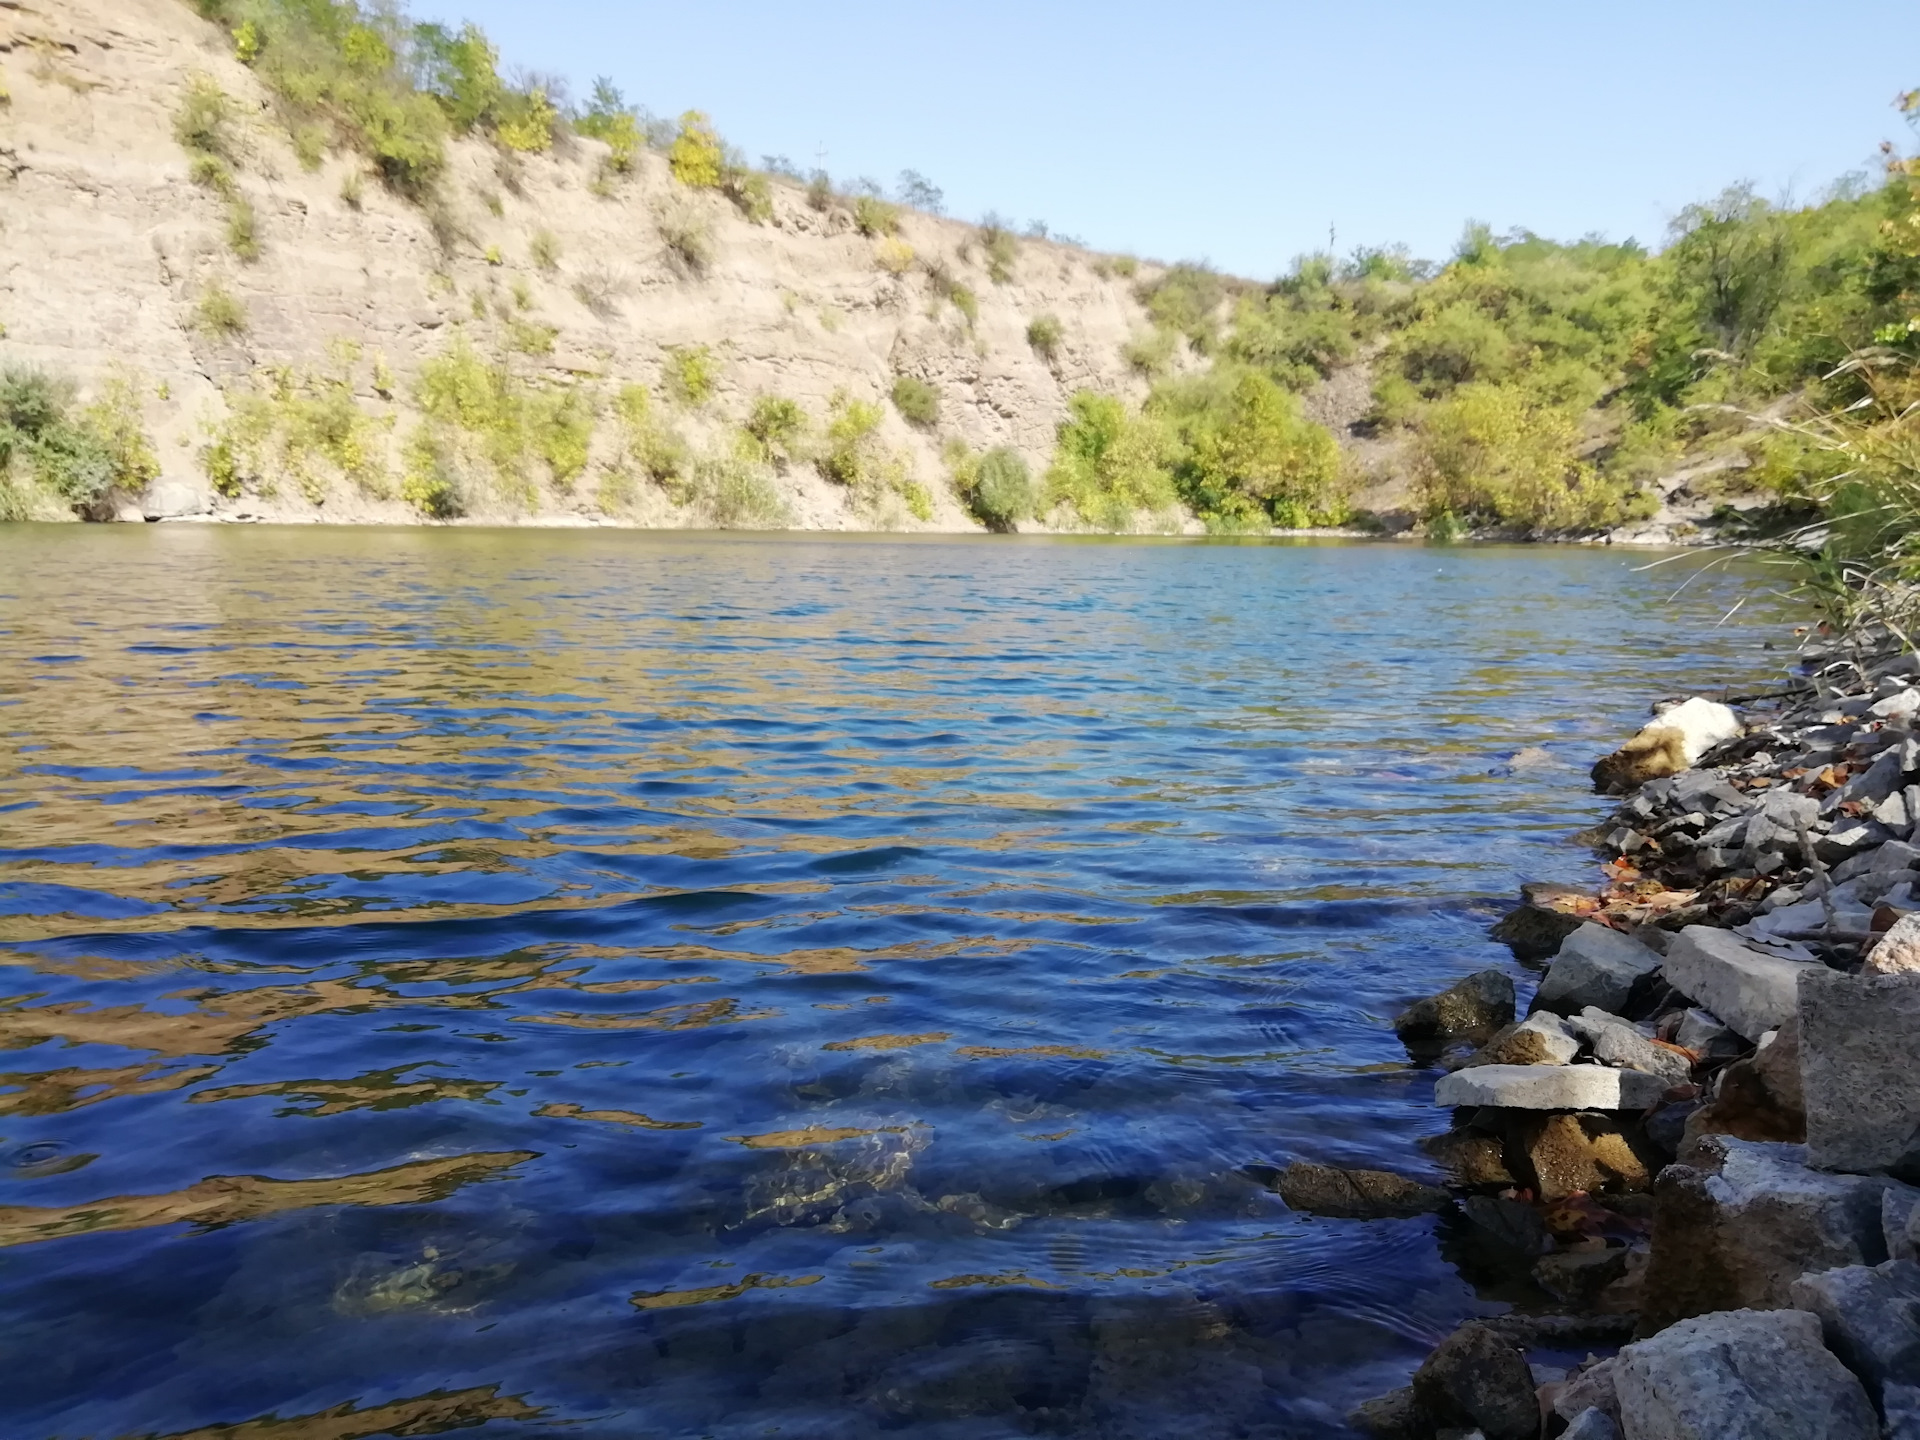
column 526, row 122
column 1111, row 464
column 777, row 425
column 655, row 447
column 1495, row 454
column 997, row 487
column 204, row 122
column 544, row 250
column 852, row 454
column 300, row 426
column 690, row 374
column 243, row 229
column 751, row 193
column 1045, row 334
column 1253, row 459
column 917, row 401
column 57, row 457
column 999, row 249
column 737, row 494
column 875, row 217
column 482, row 424
column 1186, row 301
column 820, row 191
column 610, row 120
column 697, row 157
column 220, row 315
column 1150, row 353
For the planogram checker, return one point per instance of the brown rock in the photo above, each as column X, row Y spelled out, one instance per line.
column 1473, row 1157
column 1576, row 1277
column 1472, row 1008
column 1560, row 1154
column 1546, row 915
column 1393, row 1416
column 1356, row 1194
column 1478, row 1380
column 1759, row 1098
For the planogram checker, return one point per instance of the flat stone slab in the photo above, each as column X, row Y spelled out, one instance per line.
column 1870, row 1316
column 1550, row 1087
column 1595, row 966
column 1747, row 1373
column 1751, row 991
column 1860, row 1070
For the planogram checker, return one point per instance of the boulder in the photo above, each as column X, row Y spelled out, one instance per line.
column 1741, row 1373
column 1860, row 1066
column 1356, row 1194
column 1559, row 1155
column 1737, row 1226
column 1900, row 1222
column 1576, row 1277
column 1674, row 741
column 1591, row 1387
column 172, row 498
column 1511, row 1224
column 1550, row 1087
column 1474, row 1007
column 1870, row 1316
column 1546, row 915
column 1902, row 1406
column 1542, row 1039
column 1898, row 951
column 1471, row 1157
column 1475, row 1378
column 1595, row 967
column 1619, row 1043
column 1776, row 822
column 1889, row 859
column 1749, row 989
column 1702, row 1032
column 1393, row 1416
column 1591, row 1425
column 1758, row 1098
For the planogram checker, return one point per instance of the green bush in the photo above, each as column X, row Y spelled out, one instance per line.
column 219, row 314
column 482, row 423
column 544, row 250
column 875, row 217
column 737, row 494
column 1110, row 464
column 820, row 191
column 1186, row 300
column 1493, row 454
column 243, row 229
column 999, row 250
column 997, row 487
column 1255, row 459
column 1150, row 353
column 777, row 426
column 690, row 375
column 687, row 233
column 55, row 456
column 697, row 158
column 852, row 456
column 1045, row 334
column 298, row 426
column 650, row 443
column 610, row 120
column 917, row 401
column 204, row 122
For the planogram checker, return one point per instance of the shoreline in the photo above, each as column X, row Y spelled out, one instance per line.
column 1692, row 1155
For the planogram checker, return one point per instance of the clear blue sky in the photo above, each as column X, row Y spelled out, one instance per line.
column 1237, row 132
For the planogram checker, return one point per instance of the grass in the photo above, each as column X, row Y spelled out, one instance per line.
column 219, row 314
column 874, row 217
column 917, row 401
column 999, row 250
column 543, row 249
column 690, row 375
column 243, row 229
column 777, row 426
column 687, row 234
column 1044, row 335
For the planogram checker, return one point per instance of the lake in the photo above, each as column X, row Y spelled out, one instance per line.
column 623, row 984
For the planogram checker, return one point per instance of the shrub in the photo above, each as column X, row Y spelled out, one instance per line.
column 1110, row 464
column 480, row 420
column 697, row 157
column 776, row 425
column 243, row 229
column 544, row 250
column 526, row 122
column 601, row 291
column 894, row 255
column 1150, row 353
column 920, row 193
column 997, row 487
column 967, row 303
column 299, row 426
column 610, row 120
column 751, row 193
column 687, row 233
column 220, row 314
column 851, row 456
column 655, row 447
column 1044, row 334
column 1125, row 266
column 54, row 457
column 736, row 494
column 874, row 217
column 1492, row 453
column 820, row 191
column 1256, row 459
column 210, row 172
column 689, row 374
column 353, row 190
column 999, row 249
column 917, row 401
column 203, row 123
column 1186, row 300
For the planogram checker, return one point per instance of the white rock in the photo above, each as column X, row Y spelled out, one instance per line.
column 1898, row 952
column 1702, row 724
column 1901, row 702
column 1550, row 1087
column 172, row 498
column 1595, row 966
column 1751, row 991
column 1748, row 1374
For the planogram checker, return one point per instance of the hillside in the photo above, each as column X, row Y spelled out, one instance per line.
column 115, row 259
column 310, row 260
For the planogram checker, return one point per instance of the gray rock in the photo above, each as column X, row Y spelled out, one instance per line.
column 1849, row 839
column 1900, row 1222
column 1750, row 990
column 1550, row 1087
column 1591, row 1425
column 1741, row 1373
column 1702, row 1032
column 1901, row 1404
column 1706, row 790
column 1889, row 859
column 1542, row 1039
column 1512, row 1224
column 1900, row 702
column 1616, row 1042
column 1776, row 821
column 172, row 498
column 1860, row 1067
column 1596, row 966
column 1878, row 780
column 1477, row 1378
column 1870, row 1317
column 1744, row 1219
column 1590, row 1388
column 1477, row 1005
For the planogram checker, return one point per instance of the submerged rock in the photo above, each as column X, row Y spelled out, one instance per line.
column 1356, row 1194
column 1576, row 1277
column 1597, row 967
column 1860, row 1059
column 1474, row 1008
column 1741, row 1373
column 1472, row 1157
column 1475, row 1378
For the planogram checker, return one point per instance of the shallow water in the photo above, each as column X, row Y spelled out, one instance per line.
column 638, row 985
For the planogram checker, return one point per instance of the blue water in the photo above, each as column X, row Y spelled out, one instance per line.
column 592, row 984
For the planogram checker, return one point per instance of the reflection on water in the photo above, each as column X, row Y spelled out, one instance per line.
column 654, row 985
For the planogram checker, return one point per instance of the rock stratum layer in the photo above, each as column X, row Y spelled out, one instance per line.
column 111, row 252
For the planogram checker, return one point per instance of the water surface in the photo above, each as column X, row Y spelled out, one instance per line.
column 634, row 985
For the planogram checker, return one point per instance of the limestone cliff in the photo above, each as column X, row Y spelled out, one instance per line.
column 113, row 259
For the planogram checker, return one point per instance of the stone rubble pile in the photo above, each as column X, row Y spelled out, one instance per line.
column 1706, row 1127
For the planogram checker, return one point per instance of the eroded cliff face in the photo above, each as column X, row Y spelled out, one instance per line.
column 110, row 253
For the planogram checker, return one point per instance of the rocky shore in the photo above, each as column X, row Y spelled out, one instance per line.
column 1693, row 1160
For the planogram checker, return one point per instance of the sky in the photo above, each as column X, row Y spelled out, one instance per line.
column 1244, row 134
